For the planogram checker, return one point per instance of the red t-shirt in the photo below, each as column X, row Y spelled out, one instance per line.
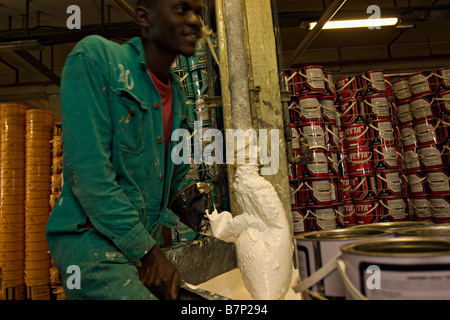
column 165, row 91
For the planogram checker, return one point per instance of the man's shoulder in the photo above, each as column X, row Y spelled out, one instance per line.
column 97, row 46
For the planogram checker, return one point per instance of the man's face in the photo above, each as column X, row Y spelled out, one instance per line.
column 175, row 25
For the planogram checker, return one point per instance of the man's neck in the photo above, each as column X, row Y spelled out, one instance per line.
column 158, row 61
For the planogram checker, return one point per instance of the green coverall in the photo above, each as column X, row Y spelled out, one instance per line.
column 113, row 169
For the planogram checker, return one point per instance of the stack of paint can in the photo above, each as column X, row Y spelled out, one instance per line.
column 38, row 161
column 425, row 138
column 314, row 117
column 12, row 190
column 372, row 151
column 56, row 186
column 386, row 147
column 358, row 164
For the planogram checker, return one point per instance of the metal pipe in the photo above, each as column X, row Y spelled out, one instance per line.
column 327, row 16
column 238, row 65
column 286, row 121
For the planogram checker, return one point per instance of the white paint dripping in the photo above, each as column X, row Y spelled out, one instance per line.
column 261, row 233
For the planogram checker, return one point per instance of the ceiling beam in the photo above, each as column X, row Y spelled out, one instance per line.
column 28, row 57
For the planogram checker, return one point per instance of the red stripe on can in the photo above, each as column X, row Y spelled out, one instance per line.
column 346, row 189
column 389, row 88
column 367, row 211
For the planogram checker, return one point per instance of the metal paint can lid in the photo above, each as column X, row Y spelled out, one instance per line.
column 406, row 247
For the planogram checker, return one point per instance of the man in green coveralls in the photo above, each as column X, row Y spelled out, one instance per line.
column 120, row 104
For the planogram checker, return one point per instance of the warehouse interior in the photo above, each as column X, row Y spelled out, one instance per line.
column 35, row 41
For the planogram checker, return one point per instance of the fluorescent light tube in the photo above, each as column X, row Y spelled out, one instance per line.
column 341, row 24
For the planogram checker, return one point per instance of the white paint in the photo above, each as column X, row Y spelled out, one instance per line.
column 261, row 233
column 231, row 285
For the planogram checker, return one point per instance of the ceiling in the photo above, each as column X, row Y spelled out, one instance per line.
column 423, row 42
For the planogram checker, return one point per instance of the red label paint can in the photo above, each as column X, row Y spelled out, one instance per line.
column 439, row 181
column 314, row 132
column 432, row 157
column 387, row 158
column 322, row 218
column 367, row 211
column 443, row 102
column 417, row 183
column 299, row 220
column 382, row 133
column 389, row 88
column 422, row 83
column 359, row 160
column 393, row 209
column 310, row 108
column 311, row 80
column 320, row 166
column 373, row 82
column 356, row 134
column 408, row 135
column 402, row 91
column 352, row 110
column 318, row 192
column 377, row 107
column 389, row 183
column 346, row 189
column 443, row 79
column 411, row 159
column 404, row 115
column 330, row 85
column 333, row 138
column 346, row 214
column 440, row 208
column 424, row 107
column 422, row 209
column 363, row 187
column 349, row 87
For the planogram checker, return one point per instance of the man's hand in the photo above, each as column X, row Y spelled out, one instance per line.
column 159, row 275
